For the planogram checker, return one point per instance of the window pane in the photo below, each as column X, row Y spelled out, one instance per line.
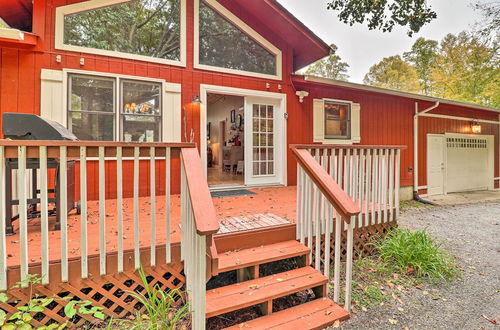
column 92, row 94
column 337, row 120
column 141, row 128
column 224, row 45
column 142, row 27
column 92, row 126
column 141, row 98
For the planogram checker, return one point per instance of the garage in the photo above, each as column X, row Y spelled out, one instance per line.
column 459, row 162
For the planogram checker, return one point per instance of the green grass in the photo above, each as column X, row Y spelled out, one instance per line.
column 415, row 253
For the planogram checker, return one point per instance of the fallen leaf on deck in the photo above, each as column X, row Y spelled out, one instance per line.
column 392, row 321
column 492, row 321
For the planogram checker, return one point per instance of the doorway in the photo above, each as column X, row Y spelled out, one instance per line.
column 225, row 140
column 245, row 137
column 435, row 164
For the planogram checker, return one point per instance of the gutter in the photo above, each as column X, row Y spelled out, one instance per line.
column 417, row 114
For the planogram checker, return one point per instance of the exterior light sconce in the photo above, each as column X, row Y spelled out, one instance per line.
column 197, row 100
column 301, row 95
column 475, row 127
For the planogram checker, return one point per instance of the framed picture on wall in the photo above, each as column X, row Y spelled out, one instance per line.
column 233, row 116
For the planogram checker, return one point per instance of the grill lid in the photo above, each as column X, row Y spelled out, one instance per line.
column 26, row 126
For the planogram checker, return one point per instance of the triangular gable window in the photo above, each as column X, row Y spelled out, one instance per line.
column 146, row 29
column 225, row 45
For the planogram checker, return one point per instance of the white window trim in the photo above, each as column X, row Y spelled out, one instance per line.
column 171, row 120
column 245, row 28
column 333, row 140
column 92, row 4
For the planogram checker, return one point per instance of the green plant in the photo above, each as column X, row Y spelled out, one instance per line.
column 415, row 253
column 22, row 319
column 161, row 310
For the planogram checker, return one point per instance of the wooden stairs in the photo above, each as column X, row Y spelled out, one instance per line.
column 252, row 290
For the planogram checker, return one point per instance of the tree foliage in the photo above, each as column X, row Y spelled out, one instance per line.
column 467, row 69
column 464, row 67
column 412, row 14
column 489, row 26
column 394, row 73
column 331, row 66
column 422, row 57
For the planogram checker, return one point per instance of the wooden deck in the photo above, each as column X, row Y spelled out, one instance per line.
column 268, row 207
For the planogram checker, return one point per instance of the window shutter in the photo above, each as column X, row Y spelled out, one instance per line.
column 172, row 106
column 319, row 120
column 356, row 123
column 52, row 98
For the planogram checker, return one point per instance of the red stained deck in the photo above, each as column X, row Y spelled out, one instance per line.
column 278, row 201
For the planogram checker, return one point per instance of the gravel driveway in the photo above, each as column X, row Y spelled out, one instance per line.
column 471, row 233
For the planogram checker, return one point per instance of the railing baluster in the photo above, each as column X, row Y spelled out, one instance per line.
column 63, row 210
column 3, row 243
column 44, row 214
column 167, row 205
column 137, row 252
column 376, row 200
column 397, row 182
column 385, row 187
column 391, row 184
column 336, row 271
column 298, row 228
column 368, row 186
column 23, row 218
column 152, row 173
column 340, row 168
column 102, row 213
column 119, row 205
column 361, row 193
column 317, row 227
column 324, row 202
column 83, row 212
column 348, row 289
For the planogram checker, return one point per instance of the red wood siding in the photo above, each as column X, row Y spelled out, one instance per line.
column 388, row 120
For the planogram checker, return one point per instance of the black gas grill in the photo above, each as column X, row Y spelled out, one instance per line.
column 20, row 126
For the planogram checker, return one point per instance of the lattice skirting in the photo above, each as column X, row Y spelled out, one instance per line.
column 112, row 292
column 363, row 237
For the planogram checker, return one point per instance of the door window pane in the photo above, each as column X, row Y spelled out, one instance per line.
column 337, row 120
column 224, row 45
column 91, row 105
column 141, row 27
column 141, row 111
column 263, row 140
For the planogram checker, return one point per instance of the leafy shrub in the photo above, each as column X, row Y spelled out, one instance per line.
column 161, row 310
column 416, row 253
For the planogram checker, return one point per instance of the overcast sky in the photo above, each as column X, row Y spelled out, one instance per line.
column 362, row 48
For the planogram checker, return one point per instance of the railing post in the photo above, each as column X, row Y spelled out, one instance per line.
column 348, row 281
column 3, row 245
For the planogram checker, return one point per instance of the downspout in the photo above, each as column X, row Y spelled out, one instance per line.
column 416, row 197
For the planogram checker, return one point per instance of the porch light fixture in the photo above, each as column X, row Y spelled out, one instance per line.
column 301, row 95
column 197, row 100
column 475, row 127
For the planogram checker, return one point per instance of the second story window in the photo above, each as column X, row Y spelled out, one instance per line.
column 149, row 30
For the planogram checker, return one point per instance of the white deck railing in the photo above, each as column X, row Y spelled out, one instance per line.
column 197, row 227
column 351, row 185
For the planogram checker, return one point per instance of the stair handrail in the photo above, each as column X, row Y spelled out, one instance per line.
column 330, row 189
column 198, row 225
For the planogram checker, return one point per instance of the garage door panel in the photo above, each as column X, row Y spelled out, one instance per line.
column 467, row 161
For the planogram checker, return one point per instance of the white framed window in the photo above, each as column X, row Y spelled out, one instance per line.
column 146, row 30
column 336, row 121
column 109, row 107
column 224, row 43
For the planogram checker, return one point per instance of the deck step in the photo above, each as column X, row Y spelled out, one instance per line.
column 260, row 255
column 316, row 314
column 249, row 293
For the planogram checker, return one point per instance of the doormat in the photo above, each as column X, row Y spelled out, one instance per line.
column 231, row 193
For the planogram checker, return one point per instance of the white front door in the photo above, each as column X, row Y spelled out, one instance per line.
column 264, row 141
column 435, row 164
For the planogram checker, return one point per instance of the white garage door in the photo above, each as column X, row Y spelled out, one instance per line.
column 469, row 163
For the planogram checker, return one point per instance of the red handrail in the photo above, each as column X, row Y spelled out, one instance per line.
column 204, row 213
column 332, row 146
column 330, row 189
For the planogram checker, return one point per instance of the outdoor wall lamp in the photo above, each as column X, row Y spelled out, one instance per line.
column 197, row 100
column 475, row 127
column 301, row 95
